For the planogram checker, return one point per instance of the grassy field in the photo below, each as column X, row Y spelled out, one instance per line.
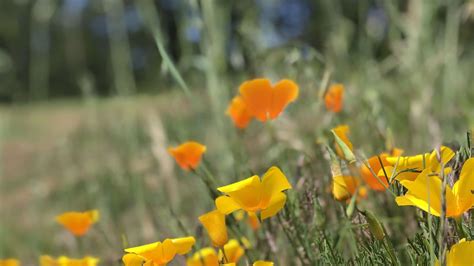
column 111, row 154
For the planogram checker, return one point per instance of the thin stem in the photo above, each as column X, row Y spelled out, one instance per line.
column 226, row 260
column 383, row 169
column 80, row 245
column 378, row 179
column 442, row 229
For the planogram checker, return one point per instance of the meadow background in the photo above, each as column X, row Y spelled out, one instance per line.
column 93, row 92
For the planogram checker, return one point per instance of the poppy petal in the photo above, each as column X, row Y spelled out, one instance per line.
column 410, row 200
column 214, row 223
column 461, row 254
column 333, row 99
column 257, row 96
column 239, row 113
column 276, row 204
column 273, row 182
column 226, row 204
column 284, row 92
column 464, row 187
column 240, row 185
column 188, row 155
column 183, row 244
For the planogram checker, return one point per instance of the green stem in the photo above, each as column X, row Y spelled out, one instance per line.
column 226, row 260
column 80, row 246
column 459, row 228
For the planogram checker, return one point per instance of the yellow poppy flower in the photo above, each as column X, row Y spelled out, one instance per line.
column 131, row 259
column 203, row 257
column 265, row 101
column 263, row 263
column 208, row 257
column 427, row 189
column 214, row 223
column 252, row 194
column 159, row 253
column 233, row 252
column 461, row 254
column 78, row 223
column 66, row 261
column 343, row 187
column 409, row 167
column 9, row 262
column 188, row 155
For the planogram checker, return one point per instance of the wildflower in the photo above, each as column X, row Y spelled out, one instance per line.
column 425, row 192
column 233, row 252
column 203, row 257
column 378, row 168
column 252, row 194
column 131, row 259
column 188, row 155
column 66, row 261
column 9, row 262
column 333, row 99
column 409, row 167
column 264, row 101
column 263, row 263
column 239, row 112
column 342, row 132
column 159, row 253
column 343, row 187
column 208, row 257
column 78, row 223
column 214, row 222
column 461, row 253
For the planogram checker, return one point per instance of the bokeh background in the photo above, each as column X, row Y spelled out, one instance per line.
column 92, row 92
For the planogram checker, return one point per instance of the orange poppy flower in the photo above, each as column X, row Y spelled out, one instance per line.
column 239, row 113
column 266, row 102
column 374, row 163
column 78, row 223
column 334, row 98
column 188, row 155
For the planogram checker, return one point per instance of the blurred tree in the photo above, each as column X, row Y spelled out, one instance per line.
column 51, row 48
